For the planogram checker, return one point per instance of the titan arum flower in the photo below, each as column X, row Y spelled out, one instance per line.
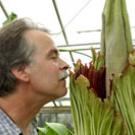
column 103, row 92
column 93, row 113
column 96, row 77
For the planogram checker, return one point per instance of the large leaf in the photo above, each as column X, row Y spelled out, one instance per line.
column 54, row 129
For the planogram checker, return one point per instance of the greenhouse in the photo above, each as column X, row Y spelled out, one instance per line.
column 95, row 42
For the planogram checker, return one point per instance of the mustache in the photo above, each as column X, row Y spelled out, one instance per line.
column 63, row 74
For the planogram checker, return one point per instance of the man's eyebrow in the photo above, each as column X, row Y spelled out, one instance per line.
column 53, row 51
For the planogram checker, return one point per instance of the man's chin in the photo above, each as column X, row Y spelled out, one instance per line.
column 63, row 85
column 63, row 92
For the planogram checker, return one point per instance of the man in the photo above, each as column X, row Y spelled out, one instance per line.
column 31, row 75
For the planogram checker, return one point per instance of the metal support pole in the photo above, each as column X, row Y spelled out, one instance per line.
column 3, row 9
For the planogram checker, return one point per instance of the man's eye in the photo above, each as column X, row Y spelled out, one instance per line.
column 54, row 57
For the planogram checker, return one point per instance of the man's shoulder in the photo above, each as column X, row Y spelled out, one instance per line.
column 6, row 130
column 7, row 126
column 3, row 129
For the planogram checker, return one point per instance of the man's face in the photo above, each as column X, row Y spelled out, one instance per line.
column 46, row 66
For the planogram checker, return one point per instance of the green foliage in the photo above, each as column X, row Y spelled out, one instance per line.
column 11, row 17
column 54, row 129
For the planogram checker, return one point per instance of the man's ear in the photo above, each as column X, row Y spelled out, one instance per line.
column 20, row 73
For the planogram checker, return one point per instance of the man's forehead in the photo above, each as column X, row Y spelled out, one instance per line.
column 40, row 39
column 36, row 33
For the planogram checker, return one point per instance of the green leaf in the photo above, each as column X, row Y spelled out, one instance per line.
column 41, row 131
column 11, row 17
column 58, row 129
column 54, row 129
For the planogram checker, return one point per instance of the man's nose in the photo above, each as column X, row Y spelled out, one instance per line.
column 63, row 65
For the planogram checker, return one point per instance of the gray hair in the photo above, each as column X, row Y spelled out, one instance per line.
column 14, row 52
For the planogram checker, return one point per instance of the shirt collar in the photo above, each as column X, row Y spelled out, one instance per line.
column 9, row 123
